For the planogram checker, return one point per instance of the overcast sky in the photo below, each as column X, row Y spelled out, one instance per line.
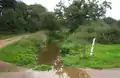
column 50, row 4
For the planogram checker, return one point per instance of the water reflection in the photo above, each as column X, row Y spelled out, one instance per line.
column 52, row 57
column 49, row 55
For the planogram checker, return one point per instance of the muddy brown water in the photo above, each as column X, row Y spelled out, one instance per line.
column 50, row 56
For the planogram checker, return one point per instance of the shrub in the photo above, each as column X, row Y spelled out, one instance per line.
column 20, row 53
column 64, row 51
column 42, row 67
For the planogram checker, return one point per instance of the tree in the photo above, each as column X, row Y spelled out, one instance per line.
column 7, row 3
column 105, row 33
column 22, row 18
column 118, row 23
column 81, row 37
column 59, row 10
column 84, row 35
column 80, row 11
column 110, row 21
column 59, row 13
column 36, row 9
column 49, row 21
column 14, row 19
column 34, row 16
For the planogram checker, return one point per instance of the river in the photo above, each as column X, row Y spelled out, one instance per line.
column 50, row 56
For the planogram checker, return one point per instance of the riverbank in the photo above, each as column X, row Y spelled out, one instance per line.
column 105, row 56
column 22, row 51
column 29, row 50
column 30, row 55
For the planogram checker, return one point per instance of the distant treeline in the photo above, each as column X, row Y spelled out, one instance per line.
column 19, row 17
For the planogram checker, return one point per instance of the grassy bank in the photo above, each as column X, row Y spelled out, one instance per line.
column 105, row 56
column 19, row 53
column 23, row 53
column 5, row 36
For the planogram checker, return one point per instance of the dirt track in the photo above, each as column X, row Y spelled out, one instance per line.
column 6, row 66
column 106, row 73
column 11, row 40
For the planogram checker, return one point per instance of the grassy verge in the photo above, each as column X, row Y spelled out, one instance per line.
column 23, row 53
column 10, row 35
column 19, row 53
column 105, row 56
column 5, row 36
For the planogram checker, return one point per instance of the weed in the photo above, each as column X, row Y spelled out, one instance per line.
column 105, row 56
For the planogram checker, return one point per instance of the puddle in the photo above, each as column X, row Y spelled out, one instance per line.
column 52, row 57
column 50, row 54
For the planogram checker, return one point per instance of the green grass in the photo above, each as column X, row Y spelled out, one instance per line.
column 24, row 52
column 42, row 67
column 19, row 53
column 105, row 56
column 5, row 70
column 5, row 36
column 10, row 35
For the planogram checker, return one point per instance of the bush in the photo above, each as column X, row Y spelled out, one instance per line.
column 42, row 67
column 64, row 51
column 20, row 53
column 105, row 56
column 54, row 36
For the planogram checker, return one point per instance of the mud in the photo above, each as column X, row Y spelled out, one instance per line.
column 50, row 56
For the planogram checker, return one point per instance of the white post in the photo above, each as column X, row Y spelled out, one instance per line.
column 91, row 52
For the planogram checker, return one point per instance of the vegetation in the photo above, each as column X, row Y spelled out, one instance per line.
column 105, row 56
column 5, row 70
column 73, row 26
column 24, row 53
column 42, row 67
column 5, row 36
column 31, row 18
column 20, row 53
column 26, row 18
column 7, row 3
column 81, row 11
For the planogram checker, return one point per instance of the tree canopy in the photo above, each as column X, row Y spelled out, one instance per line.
column 27, row 18
column 7, row 3
column 19, row 17
column 80, row 11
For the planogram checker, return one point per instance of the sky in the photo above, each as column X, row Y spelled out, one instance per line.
column 50, row 5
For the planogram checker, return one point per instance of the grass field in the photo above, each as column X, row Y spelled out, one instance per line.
column 105, row 56
column 24, row 52
column 5, row 36
column 19, row 53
